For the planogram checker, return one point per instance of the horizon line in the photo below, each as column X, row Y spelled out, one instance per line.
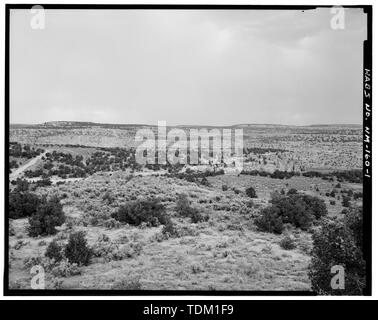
column 189, row 125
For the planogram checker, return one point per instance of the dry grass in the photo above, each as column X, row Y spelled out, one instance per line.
column 224, row 253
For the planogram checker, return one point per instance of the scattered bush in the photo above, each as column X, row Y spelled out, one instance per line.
column 196, row 216
column 354, row 176
column 76, row 250
column 251, row 192
column 45, row 262
column 270, row 220
column 49, row 214
column 22, row 204
column 54, row 251
column 205, row 182
column 237, row 191
column 65, row 269
column 346, row 201
column 108, row 197
column 358, row 195
column 170, row 230
column 338, row 243
column 287, row 243
column 44, row 182
column 297, row 209
column 22, row 185
column 275, row 175
column 353, row 221
column 135, row 212
column 182, row 205
column 184, row 209
column 109, row 250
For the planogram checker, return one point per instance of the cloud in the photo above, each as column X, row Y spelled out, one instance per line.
column 198, row 67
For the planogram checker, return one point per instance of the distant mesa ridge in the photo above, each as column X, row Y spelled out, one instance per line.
column 85, row 124
column 67, row 124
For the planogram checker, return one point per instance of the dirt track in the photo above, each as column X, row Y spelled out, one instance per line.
column 16, row 173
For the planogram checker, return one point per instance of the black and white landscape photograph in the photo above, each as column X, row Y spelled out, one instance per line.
column 178, row 150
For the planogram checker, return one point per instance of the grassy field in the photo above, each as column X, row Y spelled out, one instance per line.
column 226, row 252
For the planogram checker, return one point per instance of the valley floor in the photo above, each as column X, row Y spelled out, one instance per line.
column 226, row 252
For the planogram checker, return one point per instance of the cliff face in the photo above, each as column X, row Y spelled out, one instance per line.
column 94, row 137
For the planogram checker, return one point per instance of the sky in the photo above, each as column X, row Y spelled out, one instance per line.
column 189, row 67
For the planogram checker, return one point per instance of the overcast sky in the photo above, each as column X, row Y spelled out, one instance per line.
column 187, row 67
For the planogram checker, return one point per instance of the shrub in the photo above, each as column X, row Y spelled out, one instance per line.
column 196, row 216
column 135, row 212
column 296, row 209
column 337, row 244
column 346, row 201
column 224, row 187
column 170, row 230
column 110, row 250
column 237, row 191
column 22, row 204
column 249, row 204
column 292, row 191
column 354, row 222
column 76, row 250
column 205, row 182
column 54, row 251
column 22, row 185
column 44, row 182
column 184, row 209
column 127, row 284
column 65, row 269
column 49, row 215
column 270, row 220
column 111, row 223
column 108, row 197
column 45, row 262
column 251, row 192
column 358, row 195
column 182, row 204
column 287, row 243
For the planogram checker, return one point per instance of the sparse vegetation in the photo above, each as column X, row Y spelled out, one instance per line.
column 287, row 243
column 184, row 209
column 183, row 226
